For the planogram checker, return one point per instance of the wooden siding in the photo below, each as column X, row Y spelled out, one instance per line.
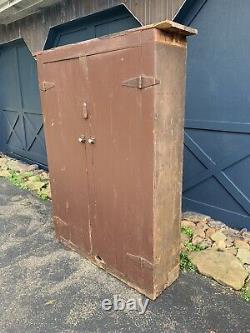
column 34, row 29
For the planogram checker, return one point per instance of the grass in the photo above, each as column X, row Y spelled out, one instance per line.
column 185, row 262
column 245, row 293
column 43, row 195
column 18, row 179
column 193, row 248
column 24, row 182
column 187, row 231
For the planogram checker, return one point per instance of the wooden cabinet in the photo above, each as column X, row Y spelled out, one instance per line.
column 113, row 112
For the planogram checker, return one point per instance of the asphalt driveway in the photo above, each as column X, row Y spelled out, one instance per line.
column 45, row 288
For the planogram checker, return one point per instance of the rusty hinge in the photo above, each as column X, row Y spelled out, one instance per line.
column 141, row 82
column 46, row 85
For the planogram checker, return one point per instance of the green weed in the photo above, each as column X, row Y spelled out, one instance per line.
column 187, row 231
column 28, row 181
column 245, row 293
column 193, row 248
column 18, row 179
column 185, row 262
column 43, row 195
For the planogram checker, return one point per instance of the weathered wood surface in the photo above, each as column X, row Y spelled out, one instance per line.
column 34, row 29
column 128, row 225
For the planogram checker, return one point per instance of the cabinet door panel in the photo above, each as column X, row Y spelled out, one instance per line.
column 121, row 120
column 63, row 98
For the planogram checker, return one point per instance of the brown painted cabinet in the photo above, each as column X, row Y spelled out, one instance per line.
column 113, row 113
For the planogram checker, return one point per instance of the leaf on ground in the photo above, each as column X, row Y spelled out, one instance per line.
column 51, row 302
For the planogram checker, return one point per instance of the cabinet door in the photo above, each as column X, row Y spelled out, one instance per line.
column 121, row 122
column 63, row 99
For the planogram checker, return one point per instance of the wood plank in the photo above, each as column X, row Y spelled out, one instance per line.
column 35, row 33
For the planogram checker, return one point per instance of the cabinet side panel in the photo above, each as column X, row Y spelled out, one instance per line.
column 168, row 153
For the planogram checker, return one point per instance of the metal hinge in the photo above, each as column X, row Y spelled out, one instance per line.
column 46, row 85
column 141, row 82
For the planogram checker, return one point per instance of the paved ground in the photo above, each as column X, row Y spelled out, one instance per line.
column 45, row 288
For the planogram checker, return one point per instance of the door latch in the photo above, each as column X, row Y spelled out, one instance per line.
column 91, row 140
column 82, row 139
column 85, row 111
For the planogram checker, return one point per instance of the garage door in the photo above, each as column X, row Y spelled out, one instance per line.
column 217, row 129
column 115, row 19
column 21, row 126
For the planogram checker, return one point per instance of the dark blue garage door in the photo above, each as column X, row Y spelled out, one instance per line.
column 21, row 124
column 21, row 128
column 217, row 129
column 102, row 23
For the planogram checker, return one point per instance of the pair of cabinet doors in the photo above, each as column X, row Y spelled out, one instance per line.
column 113, row 114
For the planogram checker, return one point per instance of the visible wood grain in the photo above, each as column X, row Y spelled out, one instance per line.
column 137, row 215
column 169, row 118
column 34, row 29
